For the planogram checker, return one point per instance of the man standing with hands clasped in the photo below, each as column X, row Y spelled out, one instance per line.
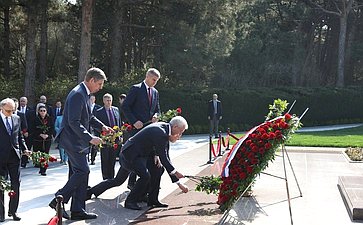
column 141, row 107
column 75, row 137
column 214, row 115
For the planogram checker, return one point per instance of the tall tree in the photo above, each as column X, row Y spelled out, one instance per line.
column 31, row 8
column 43, row 53
column 342, row 10
column 85, row 50
column 6, row 37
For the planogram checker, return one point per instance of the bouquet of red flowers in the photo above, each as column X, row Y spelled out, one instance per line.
column 42, row 159
column 113, row 139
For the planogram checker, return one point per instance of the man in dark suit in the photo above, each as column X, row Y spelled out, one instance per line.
column 75, row 137
column 30, row 117
column 58, row 110
column 214, row 115
column 43, row 99
column 10, row 130
column 110, row 116
column 152, row 142
column 141, row 106
column 94, row 108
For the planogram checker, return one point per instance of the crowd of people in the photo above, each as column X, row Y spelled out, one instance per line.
column 75, row 129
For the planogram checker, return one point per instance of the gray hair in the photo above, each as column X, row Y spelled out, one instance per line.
column 107, row 95
column 7, row 101
column 96, row 74
column 153, row 72
column 179, row 121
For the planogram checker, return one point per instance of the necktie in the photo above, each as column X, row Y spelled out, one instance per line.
column 23, row 109
column 8, row 127
column 150, row 95
column 111, row 118
column 58, row 111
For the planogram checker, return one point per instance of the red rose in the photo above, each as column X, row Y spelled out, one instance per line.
column 42, row 159
column 287, row 117
column 242, row 176
column 268, row 145
column 129, row 127
column 115, row 146
column 249, row 169
column 12, row 194
column 45, row 166
column 53, row 159
column 271, row 136
column 179, row 110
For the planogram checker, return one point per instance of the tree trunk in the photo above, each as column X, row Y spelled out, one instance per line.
column 85, row 50
column 116, row 39
column 30, row 57
column 341, row 50
column 6, row 56
column 43, row 42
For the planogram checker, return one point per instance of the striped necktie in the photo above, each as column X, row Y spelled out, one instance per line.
column 8, row 127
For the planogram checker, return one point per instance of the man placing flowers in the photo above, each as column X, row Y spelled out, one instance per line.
column 10, row 139
column 149, row 146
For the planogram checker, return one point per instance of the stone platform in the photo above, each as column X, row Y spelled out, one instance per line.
column 351, row 189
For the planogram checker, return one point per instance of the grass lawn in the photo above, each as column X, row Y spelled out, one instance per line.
column 351, row 137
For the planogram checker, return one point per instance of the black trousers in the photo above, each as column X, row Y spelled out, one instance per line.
column 108, row 160
column 11, row 167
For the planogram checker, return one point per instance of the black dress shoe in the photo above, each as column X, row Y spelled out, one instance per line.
column 15, row 216
column 157, row 204
column 83, row 216
column 132, row 205
column 2, row 218
column 53, row 205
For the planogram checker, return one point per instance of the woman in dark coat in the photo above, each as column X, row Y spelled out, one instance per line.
column 42, row 134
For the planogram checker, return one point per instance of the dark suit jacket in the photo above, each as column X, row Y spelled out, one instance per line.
column 211, row 109
column 150, row 141
column 55, row 112
column 101, row 114
column 74, row 134
column 136, row 105
column 23, row 127
column 10, row 144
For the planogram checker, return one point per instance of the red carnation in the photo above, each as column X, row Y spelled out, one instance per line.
column 287, row 117
column 42, row 159
column 12, row 194
column 115, row 146
column 45, row 166
column 179, row 110
column 268, row 145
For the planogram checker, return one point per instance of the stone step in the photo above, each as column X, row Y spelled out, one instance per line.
column 351, row 189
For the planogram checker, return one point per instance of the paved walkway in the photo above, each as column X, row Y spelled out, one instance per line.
column 316, row 172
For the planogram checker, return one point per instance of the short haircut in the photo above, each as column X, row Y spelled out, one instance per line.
column 6, row 101
column 96, row 74
column 122, row 96
column 154, row 72
column 179, row 121
column 107, row 95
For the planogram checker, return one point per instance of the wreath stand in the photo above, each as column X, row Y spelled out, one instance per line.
column 284, row 152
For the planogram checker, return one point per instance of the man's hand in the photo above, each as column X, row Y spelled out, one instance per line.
column 154, row 119
column 27, row 153
column 95, row 141
column 157, row 161
column 138, row 125
column 44, row 136
column 183, row 187
column 178, row 175
column 108, row 129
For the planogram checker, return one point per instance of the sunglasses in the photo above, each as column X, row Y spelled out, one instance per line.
column 42, row 110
